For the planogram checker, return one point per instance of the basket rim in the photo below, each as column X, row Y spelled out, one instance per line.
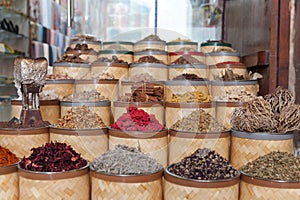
column 198, row 135
column 138, row 104
column 108, row 64
column 7, row 169
column 86, row 103
column 233, row 83
column 96, row 81
column 24, row 131
column 231, row 103
column 201, row 105
column 261, row 136
column 180, row 53
column 137, row 134
column 196, row 66
column 59, row 81
column 46, row 102
column 79, row 132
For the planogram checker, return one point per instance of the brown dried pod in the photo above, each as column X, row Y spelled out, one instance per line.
column 289, row 119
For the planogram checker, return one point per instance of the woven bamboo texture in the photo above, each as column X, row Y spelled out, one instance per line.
column 104, row 112
column 181, row 89
column 9, row 186
column 182, row 147
column 243, row 150
column 90, row 147
column 21, row 144
column 157, row 110
column 177, row 192
column 88, row 57
column 160, row 74
column 70, row 188
column 175, row 114
column 74, row 72
column 155, row 147
column 221, row 71
column 60, row 89
column 212, row 60
column 174, row 72
column 220, row 90
column 223, row 115
column 118, row 72
column 102, row 189
column 252, row 192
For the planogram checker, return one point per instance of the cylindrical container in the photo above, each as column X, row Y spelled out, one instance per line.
column 96, row 45
column 20, row 141
column 213, row 46
column 61, row 87
column 176, row 111
column 9, row 182
column 246, row 147
column 218, row 57
column 74, row 184
column 107, row 88
column 155, row 108
column 124, row 55
column 182, row 144
column 87, row 55
column 256, row 188
column 50, row 109
column 200, row 70
column 90, row 143
column 157, row 71
column 5, row 108
column 179, row 87
column 118, row 70
column 226, row 89
column 219, row 69
column 110, row 186
column 182, row 45
column 224, row 112
column 118, row 45
column 162, row 56
column 74, row 70
column 186, row 57
column 101, row 108
column 155, row 144
column 176, row 187
column 143, row 45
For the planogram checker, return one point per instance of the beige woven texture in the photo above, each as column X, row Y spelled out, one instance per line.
column 177, row 192
column 114, row 190
column 74, row 72
column 21, row 144
column 70, row 189
column 202, row 73
column 9, row 186
column 220, row 90
column 223, row 115
column 244, row 150
column 160, row 74
column 118, row 72
column 60, row 89
column 213, row 60
column 155, row 147
column 90, row 147
column 182, row 147
column 253, row 192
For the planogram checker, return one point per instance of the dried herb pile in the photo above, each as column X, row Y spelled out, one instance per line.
column 85, row 96
column 53, row 157
column 7, row 157
column 275, row 166
column 198, row 121
column 188, row 76
column 196, row 96
column 204, row 164
column 137, row 120
column 274, row 113
column 124, row 160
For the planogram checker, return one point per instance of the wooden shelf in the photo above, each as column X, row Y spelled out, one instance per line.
column 260, row 58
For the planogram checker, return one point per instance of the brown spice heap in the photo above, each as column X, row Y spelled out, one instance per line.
column 15, row 123
column 114, row 59
column 7, row 157
column 85, row 96
column 80, row 118
column 276, row 165
column 152, row 37
column 198, row 121
column 186, row 59
column 149, row 59
column 73, row 59
column 187, row 76
column 58, row 76
column 196, row 96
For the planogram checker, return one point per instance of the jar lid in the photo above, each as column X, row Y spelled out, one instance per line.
column 70, row 64
column 192, row 53
column 150, row 52
column 215, row 43
column 115, row 51
column 117, row 42
column 153, row 65
column 182, row 43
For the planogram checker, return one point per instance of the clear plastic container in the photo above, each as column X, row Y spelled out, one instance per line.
column 5, row 108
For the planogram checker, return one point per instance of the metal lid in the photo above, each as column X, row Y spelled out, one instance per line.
column 215, row 43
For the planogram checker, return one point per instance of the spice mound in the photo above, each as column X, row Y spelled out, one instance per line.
column 58, row 77
column 149, row 59
column 114, row 59
column 276, row 165
column 15, row 123
column 7, row 157
column 80, row 118
column 53, row 157
column 137, row 120
column 198, row 121
column 192, row 77
column 186, row 59
column 72, row 59
column 97, row 76
column 124, row 160
column 85, row 96
column 204, row 164
column 188, row 97
column 152, row 37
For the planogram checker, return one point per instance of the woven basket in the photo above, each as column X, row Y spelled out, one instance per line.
column 157, row 71
column 9, row 182
column 178, row 188
column 254, row 188
column 219, row 57
column 125, row 55
column 61, row 88
column 200, row 70
column 107, row 88
column 71, row 185
column 111, row 45
column 176, row 111
column 155, row 144
column 90, row 143
column 182, row 144
column 246, row 147
column 101, row 108
column 175, row 46
column 96, row 45
column 215, row 46
column 224, row 112
column 50, row 110
column 119, row 70
column 155, row 108
column 219, row 69
column 20, row 141
column 144, row 187
column 126, row 86
column 74, row 70
column 143, row 45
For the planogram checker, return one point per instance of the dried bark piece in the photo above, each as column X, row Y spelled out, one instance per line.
column 289, row 119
